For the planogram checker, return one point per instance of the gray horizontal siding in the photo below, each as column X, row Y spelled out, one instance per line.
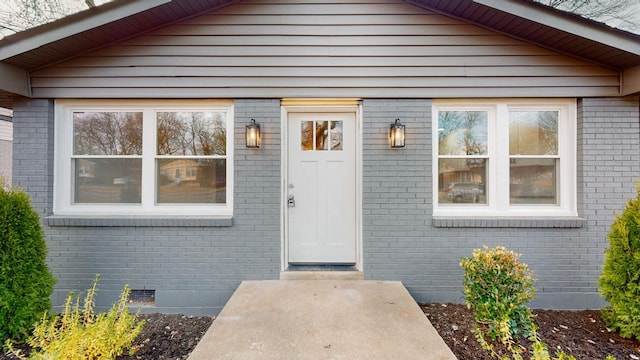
column 320, row 71
column 323, row 49
column 6, row 130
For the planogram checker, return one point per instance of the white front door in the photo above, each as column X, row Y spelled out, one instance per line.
column 321, row 188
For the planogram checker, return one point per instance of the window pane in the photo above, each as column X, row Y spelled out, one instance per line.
column 533, row 132
column 107, row 180
column 322, row 135
column 192, row 133
column 182, row 181
column 533, row 181
column 107, row 133
column 306, row 135
column 462, row 181
column 336, row 135
column 462, row 132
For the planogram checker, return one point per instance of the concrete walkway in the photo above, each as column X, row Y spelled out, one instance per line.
column 321, row 319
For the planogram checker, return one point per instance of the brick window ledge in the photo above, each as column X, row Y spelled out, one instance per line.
column 497, row 222
column 138, row 221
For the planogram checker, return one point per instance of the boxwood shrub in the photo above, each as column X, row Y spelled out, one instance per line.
column 26, row 283
column 619, row 283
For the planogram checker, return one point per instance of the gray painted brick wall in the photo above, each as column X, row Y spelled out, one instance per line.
column 195, row 267
column 400, row 242
column 33, row 151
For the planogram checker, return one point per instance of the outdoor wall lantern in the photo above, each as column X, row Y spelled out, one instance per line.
column 396, row 135
column 253, row 135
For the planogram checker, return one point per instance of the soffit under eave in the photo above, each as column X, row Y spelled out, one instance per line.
column 557, row 20
column 71, row 26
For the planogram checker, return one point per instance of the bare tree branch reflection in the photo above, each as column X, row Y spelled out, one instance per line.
column 462, row 132
column 107, row 133
column 191, row 133
column 108, row 163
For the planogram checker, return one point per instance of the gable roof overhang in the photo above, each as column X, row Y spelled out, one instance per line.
column 118, row 20
column 557, row 30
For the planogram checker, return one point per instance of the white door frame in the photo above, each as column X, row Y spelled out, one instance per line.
column 318, row 106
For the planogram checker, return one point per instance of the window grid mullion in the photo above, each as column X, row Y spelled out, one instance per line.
column 148, row 160
column 500, row 164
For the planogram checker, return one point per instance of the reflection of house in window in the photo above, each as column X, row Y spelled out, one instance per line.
column 191, row 181
column 462, row 170
column 179, row 170
column 86, row 169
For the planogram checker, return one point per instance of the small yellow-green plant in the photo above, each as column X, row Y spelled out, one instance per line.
column 80, row 334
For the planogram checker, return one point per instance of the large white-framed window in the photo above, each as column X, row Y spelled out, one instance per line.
column 143, row 157
column 504, row 157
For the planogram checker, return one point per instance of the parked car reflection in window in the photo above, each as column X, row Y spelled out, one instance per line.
column 464, row 191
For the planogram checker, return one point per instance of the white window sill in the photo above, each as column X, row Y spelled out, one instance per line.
column 505, row 222
column 138, row 221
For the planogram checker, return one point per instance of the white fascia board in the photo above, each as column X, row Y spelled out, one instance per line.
column 14, row 80
column 631, row 81
column 86, row 23
column 558, row 21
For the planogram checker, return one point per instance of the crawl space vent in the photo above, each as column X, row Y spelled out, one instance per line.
column 142, row 297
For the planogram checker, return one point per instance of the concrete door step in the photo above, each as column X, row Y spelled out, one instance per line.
column 321, row 319
column 321, row 275
column 321, row 272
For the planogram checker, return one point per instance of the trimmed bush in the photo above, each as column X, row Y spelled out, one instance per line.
column 26, row 283
column 619, row 283
column 496, row 289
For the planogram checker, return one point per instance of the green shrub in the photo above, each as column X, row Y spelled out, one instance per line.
column 619, row 283
column 81, row 334
column 496, row 289
column 25, row 281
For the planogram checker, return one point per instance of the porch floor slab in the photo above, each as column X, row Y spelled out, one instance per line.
column 321, row 319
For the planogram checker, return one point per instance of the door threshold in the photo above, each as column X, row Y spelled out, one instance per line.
column 321, row 267
column 321, row 272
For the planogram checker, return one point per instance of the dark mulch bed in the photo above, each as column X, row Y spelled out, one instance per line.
column 169, row 336
column 164, row 337
column 582, row 334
